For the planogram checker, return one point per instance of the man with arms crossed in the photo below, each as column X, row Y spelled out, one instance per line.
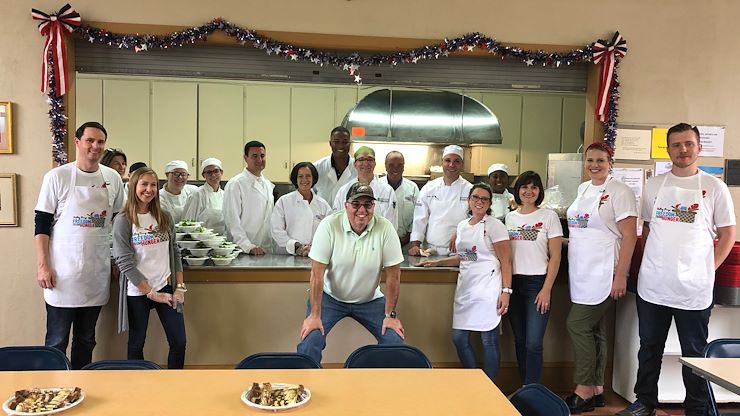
column 683, row 211
column 338, row 168
column 349, row 250
column 72, row 228
column 406, row 191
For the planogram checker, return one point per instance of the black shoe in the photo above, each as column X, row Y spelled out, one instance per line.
column 576, row 404
column 637, row 409
column 599, row 400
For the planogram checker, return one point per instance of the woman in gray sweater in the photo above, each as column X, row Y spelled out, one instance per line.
column 145, row 252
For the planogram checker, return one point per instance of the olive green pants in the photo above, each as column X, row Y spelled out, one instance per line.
column 587, row 328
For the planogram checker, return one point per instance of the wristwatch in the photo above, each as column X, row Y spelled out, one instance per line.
column 507, row 290
column 181, row 287
column 393, row 315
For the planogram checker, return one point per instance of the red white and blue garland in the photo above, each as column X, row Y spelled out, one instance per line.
column 605, row 53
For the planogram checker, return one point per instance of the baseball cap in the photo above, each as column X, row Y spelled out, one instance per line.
column 364, row 149
column 453, row 149
column 358, row 190
column 175, row 164
column 498, row 166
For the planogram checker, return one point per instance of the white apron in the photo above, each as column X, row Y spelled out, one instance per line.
column 78, row 247
column 591, row 248
column 212, row 213
column 678, row 263
column 479, row 281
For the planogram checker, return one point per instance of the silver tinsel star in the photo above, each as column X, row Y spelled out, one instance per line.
column 529, row 62
column 358, row 79
column 294, row 57
column 470, row 47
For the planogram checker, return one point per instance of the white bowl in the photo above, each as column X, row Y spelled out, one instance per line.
column 180, row 236
column 201, row 236
column 188, row 243
column 222, row 261
column 186, row 228
column 196, row 261
column 200, row 252
column 213, row 242
column 223, row 251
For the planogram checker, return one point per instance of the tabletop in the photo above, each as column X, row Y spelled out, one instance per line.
column 722, row 371
column 217, row 392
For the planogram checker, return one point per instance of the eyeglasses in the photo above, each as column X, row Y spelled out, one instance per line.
column 367, row 205
column 365, row 159
column 211, row 172
column 480, row 198
column 180, row 175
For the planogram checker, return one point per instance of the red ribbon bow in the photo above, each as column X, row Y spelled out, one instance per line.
column 52, row 26
column 609, row 53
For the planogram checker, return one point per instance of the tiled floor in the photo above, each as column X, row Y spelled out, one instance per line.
column 615, row 403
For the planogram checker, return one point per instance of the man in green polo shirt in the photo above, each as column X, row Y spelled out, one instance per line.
column 349, row 250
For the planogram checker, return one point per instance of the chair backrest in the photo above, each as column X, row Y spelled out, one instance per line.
column 387, row 356
column 720, row 348
column 277, row 360
column 537, row 400
column 29, row 358
column 122, row 365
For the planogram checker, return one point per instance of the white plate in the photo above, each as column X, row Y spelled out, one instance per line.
column 306, row 398
column 8, row 410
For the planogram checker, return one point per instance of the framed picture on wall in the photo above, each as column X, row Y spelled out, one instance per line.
column 8, row 200
column 6, row 127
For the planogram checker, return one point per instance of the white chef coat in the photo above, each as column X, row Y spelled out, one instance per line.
column 328, row 184
column 248, row 204
column 530, row 236
column 439, row 209
column 175, row 204
column 500, row 204
column 206, row 205
column 479, row 281
column 83, row 204
column 152, row 249
column 294, row 220
column 385, row 200
column 677, row 267
column 406, row 195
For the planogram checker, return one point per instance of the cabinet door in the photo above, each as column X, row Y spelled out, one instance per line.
column 508, row 110
column 221, row 126
column 311, row 120
column 345, row 99
column 174, row 124
column 574, row 114
column 126, row 116
column 541, row 126
column 267, row 119
column 88, row 101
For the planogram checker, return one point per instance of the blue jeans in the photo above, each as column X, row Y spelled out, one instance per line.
column 369, row 314
column 465, row 352
column 173, row 323
column 59, row 322
column 528, row 326
column 693, row 328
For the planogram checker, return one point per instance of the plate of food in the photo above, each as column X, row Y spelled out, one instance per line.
column 43, row 401
column 276, row 396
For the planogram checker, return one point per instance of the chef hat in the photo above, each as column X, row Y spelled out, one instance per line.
column 211, row 161
column 498, row 166
column 453, row 149
column 175, row 164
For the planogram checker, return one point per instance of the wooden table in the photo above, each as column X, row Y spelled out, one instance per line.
column 721, row 371
column 217, row 392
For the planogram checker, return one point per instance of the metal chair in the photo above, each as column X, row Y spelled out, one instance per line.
column 30, row 358
column 277, row 360
column 537, row 400
column 721, row 348
column 387, row 356
column 122, row 365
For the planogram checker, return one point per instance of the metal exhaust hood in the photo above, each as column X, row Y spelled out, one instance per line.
column 422, row 117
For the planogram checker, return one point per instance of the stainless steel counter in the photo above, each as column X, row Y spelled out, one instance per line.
column 278, row 261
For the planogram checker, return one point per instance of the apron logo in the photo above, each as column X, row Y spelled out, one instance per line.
column 579, row 221
column 91, row 220
column 604, row 199
column 678, row 213
column 149, row 236
column 526, row 232
column 469, row 255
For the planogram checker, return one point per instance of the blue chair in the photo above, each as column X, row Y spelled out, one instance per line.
column 32, row 358
column 721, row 348
column 537, row 400
column 387, row 356
column 122, row 365
column 277, row 360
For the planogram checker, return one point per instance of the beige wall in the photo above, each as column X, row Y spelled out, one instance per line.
column 680, row 67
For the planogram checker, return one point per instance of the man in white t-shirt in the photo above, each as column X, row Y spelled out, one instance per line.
column 74, row 212
column 407, row 192
column 337, row 169
column 349, row 251
column 683, row 211
column 441, row 205
column 248, row 203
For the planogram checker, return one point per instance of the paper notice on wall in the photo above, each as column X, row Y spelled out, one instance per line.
column 712, row 141
column 659, row 145
column 632, row 177
column 633, row 144
column 662, row 166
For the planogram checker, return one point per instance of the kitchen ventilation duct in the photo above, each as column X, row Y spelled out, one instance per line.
column 422, row 117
